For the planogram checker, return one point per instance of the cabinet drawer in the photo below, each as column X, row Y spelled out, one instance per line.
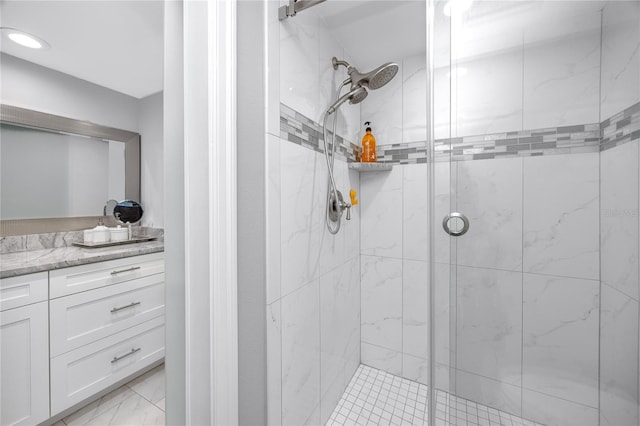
column 63, row 282
column 23, row 290
column 82, row 318
column 79, row 374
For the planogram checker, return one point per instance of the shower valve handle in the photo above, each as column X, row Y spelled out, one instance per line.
column 345, row 206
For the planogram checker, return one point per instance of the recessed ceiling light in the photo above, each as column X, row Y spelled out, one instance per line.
column 24, row 39
column 456, row 7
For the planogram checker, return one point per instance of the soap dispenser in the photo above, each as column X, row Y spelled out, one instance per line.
column 368, row 146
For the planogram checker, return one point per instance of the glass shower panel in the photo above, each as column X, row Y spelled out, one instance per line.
column 443, row 246
column 619, row 124
column 535, row 109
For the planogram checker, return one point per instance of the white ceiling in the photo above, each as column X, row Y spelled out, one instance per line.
column 115, row 44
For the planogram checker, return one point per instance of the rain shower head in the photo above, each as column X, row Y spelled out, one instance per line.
column 374, row 79
column 354, row 96
column 377, row 78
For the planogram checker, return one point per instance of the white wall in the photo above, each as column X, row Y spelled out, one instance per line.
column 150, row 121
column 31, row 86
column 173, row 124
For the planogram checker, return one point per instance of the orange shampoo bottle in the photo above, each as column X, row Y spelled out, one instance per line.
column 368, row 146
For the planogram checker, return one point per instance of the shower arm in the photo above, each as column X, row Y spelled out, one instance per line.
column 296, row 6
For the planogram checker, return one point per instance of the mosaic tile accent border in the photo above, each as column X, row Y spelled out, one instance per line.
column 526, row 143
column 303, row 131
column 622, row 128
column 403, row 153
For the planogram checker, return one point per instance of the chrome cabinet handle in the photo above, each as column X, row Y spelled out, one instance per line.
column 131, row 305
column 455, row 215
column 125, row 270
column 118, row 358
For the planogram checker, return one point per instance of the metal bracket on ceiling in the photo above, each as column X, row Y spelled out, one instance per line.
column 294, row 7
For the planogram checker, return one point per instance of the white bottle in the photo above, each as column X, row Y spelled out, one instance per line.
column 101, row 234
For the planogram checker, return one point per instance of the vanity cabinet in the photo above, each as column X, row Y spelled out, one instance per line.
column 106, row 323
column 24, row 349
column 68, row 334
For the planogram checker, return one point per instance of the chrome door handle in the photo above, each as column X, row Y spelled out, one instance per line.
column 130, row 305
column 134, row 268
column 118, row 358
column 455, row 215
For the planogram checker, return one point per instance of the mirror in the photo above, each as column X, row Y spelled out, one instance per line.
column 45, row 174
column 53, row 167
column 128, row 211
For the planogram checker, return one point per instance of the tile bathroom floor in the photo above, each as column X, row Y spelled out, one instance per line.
column 137, row 403
column 374, row 397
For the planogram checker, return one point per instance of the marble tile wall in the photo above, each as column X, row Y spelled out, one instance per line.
column 508, row 309
column 523, row 302
column 620, row 294
column 313, row 295
column 301, row 130
column 313, row 277
column 307, row 82
column 620, row 84
column 398, row 110
column 394, row 270
column 620, row 302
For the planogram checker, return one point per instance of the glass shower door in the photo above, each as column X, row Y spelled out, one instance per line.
column 536, row 303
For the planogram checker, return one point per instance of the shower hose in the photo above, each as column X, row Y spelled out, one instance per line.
column 330, row 157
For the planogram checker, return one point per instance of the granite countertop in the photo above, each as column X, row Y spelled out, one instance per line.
column 28, row 262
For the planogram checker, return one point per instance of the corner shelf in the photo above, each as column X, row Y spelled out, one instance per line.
column 371, row 167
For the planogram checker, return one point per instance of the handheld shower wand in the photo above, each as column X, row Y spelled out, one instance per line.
column 359, row 82
column 354, row 96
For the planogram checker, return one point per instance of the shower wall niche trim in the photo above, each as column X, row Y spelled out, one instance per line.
column 371, row 167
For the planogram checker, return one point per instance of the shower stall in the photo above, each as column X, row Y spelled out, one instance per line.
column 490, row 274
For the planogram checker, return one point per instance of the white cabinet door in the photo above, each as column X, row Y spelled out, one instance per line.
column 24, row 365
